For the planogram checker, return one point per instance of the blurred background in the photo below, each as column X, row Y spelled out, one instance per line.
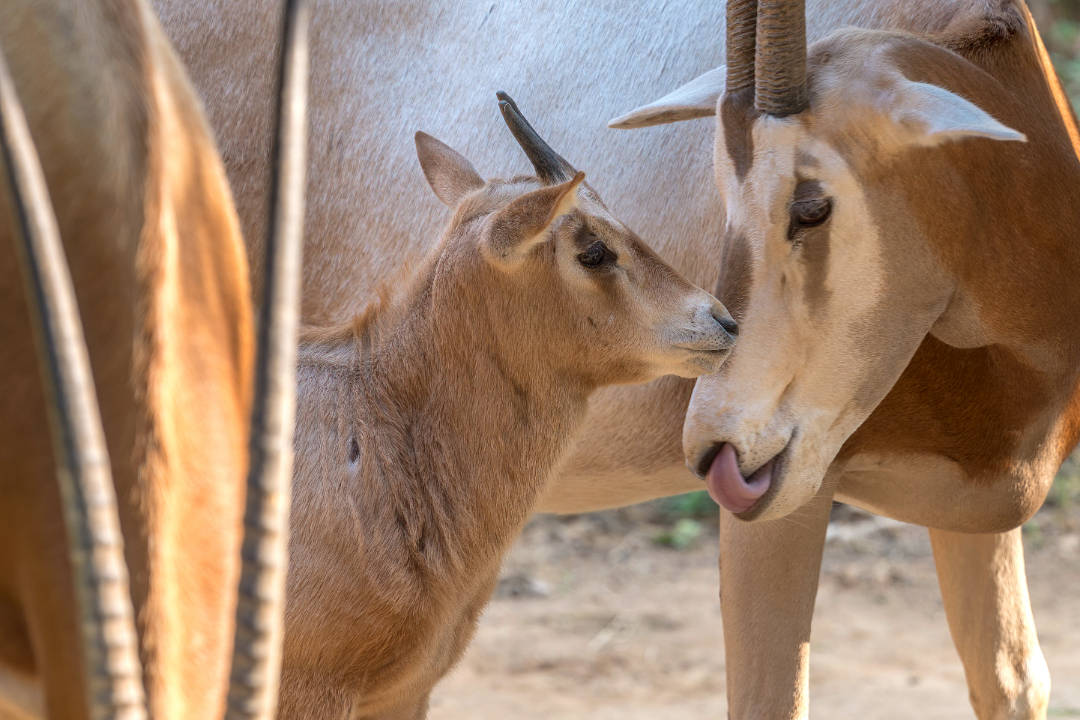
column 1059, row 22
column 615, row 614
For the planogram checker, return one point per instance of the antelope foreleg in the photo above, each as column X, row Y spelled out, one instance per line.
column 768, row 582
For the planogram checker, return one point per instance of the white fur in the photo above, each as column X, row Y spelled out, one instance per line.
column 383, row 70
column 934, row 115
column 695, row 99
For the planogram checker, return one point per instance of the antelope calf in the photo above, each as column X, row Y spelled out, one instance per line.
column 427, row 426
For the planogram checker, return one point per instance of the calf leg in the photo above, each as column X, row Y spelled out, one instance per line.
column 986, row 602
column 768, row 582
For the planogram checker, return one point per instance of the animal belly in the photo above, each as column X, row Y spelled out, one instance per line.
column 936, row 492
column 629, row 450
column 569, row 493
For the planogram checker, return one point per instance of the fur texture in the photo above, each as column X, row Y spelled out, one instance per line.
column 428, row 426
column 157, row 261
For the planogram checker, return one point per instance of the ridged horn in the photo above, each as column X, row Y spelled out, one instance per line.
column 780, row 85
column 550, row 167
column 741, row 40
column 110, row 648
column 256, row 666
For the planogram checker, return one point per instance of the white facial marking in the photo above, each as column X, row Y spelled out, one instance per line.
column 791, row 383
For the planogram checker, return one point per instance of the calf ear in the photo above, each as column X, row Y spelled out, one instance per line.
column 513, row 231
column 449, row 174
column 695, row 99
column 929, row 115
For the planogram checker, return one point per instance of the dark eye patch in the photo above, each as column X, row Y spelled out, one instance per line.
column 809, row 213
column 810, row 207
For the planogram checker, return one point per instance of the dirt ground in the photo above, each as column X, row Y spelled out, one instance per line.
column 594, row 619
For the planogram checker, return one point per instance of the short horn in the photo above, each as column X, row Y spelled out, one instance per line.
column 260, row 610
column 550, row 167
column 741, row 39
column 112, row 672
column 780, row 87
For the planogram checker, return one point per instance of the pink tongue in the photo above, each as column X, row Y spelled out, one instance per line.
column 729, row 488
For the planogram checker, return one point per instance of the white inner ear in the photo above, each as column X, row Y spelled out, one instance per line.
column 695, row 99
column 936, row 115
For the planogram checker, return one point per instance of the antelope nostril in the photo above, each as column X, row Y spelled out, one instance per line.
column 720, row 314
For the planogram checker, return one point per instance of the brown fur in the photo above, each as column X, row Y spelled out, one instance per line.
column 968, row 438
column 159, row 271
column 990, row 408
column 427, row 428
column 739, row 114
column 629, row 448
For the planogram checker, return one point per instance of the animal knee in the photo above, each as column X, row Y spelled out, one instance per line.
column 1019, row 691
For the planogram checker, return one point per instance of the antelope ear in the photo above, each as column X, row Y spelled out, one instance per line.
column 516, row 229
column 930, row 115
column 695, row 99
column 448, row 173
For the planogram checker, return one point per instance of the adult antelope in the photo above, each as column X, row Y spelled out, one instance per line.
column 901, row 246
column 589, row 65
column 127, row 158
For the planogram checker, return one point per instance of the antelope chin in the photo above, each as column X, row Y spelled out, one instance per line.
column 698, row 361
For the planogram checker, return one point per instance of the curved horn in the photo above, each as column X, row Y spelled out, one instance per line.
column 110, row 648
column 741, row 37
column 260, row 610
column 550, row 167
column 780, row 87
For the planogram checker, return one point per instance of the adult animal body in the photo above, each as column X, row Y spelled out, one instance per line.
column 893, row 200
column 156, row 259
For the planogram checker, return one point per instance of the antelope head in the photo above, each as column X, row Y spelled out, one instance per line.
column 548, row 260
column 830, row 264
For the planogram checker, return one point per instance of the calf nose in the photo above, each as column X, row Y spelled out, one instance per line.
column 721, row 315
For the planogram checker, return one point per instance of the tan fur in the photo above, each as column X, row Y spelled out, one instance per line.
column 936, row 377
column 158, row 267
column 427, row 428
column 382, row 69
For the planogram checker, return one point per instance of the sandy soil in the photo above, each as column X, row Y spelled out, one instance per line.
column 594, row 619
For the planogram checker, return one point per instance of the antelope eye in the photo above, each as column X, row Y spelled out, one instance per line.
column 596, row 255
column 810, row 213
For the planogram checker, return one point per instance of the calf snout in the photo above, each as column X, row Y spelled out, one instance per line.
column 723, row 317
column 711, row 329
column 714, row 327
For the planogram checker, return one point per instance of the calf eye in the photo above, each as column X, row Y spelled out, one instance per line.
column 596, row 255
